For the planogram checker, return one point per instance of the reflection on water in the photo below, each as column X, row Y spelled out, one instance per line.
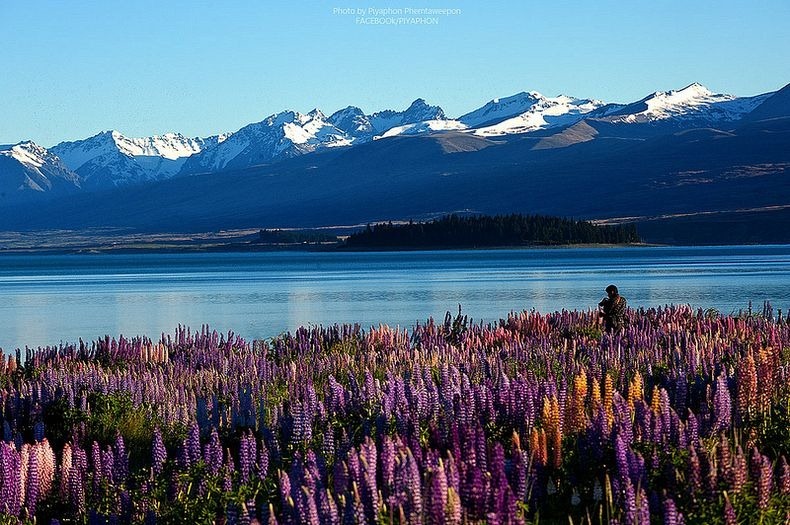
column 49, row 299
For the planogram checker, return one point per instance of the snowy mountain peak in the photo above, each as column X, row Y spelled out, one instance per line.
column 28, row 153
column 112, row 158
column 352, row 120
column 696, row 89
column 426, row 126
column 316, row 114
column 693, row 102
column 687, row 95
column 420, row 110
column 27, row 167
column 499, row 109
column 541, row 112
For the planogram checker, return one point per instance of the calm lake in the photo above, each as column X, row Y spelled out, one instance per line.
column 49, row 299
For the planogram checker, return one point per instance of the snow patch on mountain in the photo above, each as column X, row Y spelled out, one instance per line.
column 285, row 134
column 28, row 166
column 427, row 126
column 353, row 122
column 500, row 109
column 418, row 111
column 693, row 102
column 543, row 112
column 112, row 158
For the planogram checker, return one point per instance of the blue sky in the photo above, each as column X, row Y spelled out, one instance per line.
column 72, row 69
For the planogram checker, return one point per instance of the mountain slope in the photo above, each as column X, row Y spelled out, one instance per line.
column 693, row 105
column 499, row 109
column 28, row 170
column 775, row 105
column 290, row 134
column 543, row 113
column 283, row 135
column 427, row 175
column 678, row 153
column 111, row 159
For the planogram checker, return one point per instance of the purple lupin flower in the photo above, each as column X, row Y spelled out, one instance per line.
column 108, row 465
column 692, row 429
column 708, row 468
column 252, row 451
column 730, row 518
column 694, row 473
column 212, row 453
column 76, row 491
column 183, row 459
column 454, row 510
column 474, row 492
column 387, row 461
column 285, row 490
column 630, row 503
column 740, row 470
column 354, row 466
column 227, row 480
column 436, row 496
column 452, row 474
column 120, row 460
column 32, row 484
column 755, row 464
column 340, row 477
column 357, row 514
column 369, row 489
column 96, row 466
column 724, row 460
column 245, row 461
column 328, row 445
column 670, row 512
column 765, row 483
column 327, row 509
column 722, row 406
column 158, row 453
column 263, row 461
column 621, row 457
column 407, row 481
column 193, row 444
column 643, row 507
column 10, row 470
column 784, row 476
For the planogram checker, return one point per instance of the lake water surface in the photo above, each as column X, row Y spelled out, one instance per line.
column 48, row 299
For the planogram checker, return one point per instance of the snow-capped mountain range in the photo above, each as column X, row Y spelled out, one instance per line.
column 111, row 159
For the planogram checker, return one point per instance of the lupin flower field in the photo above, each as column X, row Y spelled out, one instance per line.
column 683, row 417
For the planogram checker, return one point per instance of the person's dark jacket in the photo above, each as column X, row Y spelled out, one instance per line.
column 613, row 313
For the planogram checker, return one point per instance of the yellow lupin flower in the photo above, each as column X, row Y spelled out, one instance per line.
column 635, row 389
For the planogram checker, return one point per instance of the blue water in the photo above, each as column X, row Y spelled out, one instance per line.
column 48, row 299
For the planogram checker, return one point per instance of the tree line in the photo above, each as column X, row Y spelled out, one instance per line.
column 499, row 230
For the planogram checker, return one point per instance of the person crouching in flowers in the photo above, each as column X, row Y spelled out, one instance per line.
column 612, row 309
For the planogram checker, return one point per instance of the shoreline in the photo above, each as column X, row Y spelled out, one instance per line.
column 126, row 250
